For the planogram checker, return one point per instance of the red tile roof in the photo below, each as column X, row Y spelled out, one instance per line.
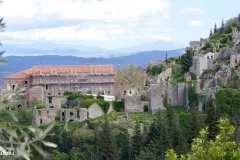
column 62, row 69
column 19, row 75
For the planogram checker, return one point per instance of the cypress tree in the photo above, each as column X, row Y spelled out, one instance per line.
column 212, row 118
column 210, row 35
column 107, row 148
column 222, row 26
column 126, row 148
column 196, row 123
column 176, row 139
column 215, row 28
column 136, row 141
column 157, row 141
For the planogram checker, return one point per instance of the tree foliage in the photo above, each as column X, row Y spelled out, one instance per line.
column 221, row 148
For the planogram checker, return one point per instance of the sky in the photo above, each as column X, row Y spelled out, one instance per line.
column 111, row 24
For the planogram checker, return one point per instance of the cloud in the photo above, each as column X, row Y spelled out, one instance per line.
column 194, row 23
column 70, row 33
column 108, row 10
column 190, row 10
column 161, row 38
column 168, row 29
column 117, row 31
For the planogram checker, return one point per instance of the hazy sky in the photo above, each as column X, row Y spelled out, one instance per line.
column 112, row 24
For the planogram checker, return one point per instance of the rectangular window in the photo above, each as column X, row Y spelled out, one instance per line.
column 13, row 87
column 46, row 87
column 26, row 82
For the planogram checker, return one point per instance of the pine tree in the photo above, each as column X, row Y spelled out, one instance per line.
column 126, row 148
column 136, row 141
column 222, row 26
column 212, row 118
column 215, row 28
column 107, row 148
column 166, row 57
column 196, row 123
column 186, row 60
column 176, row 139
column 157, row 141
column 210, row 35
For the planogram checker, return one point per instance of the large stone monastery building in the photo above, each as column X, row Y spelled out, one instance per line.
column 55, row 80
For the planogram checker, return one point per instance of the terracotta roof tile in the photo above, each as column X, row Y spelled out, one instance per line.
column 19, row 75
column 78, row 68
column 62, row 69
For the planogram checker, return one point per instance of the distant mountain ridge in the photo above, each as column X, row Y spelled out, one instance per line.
column 18, row 63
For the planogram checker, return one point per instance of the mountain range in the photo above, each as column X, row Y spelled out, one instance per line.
column 18, row 63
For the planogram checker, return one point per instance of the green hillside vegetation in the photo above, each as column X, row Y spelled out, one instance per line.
column 221, row 35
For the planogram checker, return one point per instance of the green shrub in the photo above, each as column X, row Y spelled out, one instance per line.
column 118, row 106
column 89, row 92
column 104, row 105
column 24, row 116
column 88, row 102
column 41, row 106
column 193, row 76
column 100, row 97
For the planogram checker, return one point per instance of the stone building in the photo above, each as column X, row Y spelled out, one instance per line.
column 42, row 81
column 156, row 95
column 202, row 62
column 44, row 116
column 132, row 101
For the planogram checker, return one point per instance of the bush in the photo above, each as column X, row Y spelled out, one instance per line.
column 100, row 97
column 24, row 116
column 41, row 106
column 89, row 92
column 118, row 106
column 88, row 102
column 104, row 105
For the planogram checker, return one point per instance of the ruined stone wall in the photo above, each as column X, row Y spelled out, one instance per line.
column 67, row 115
column 156, row 98
column 175, row 95
column 57, row 102
column 234, row 60
column 167, row 73
column 19, row 83
column 181, row 94
column 208, row 83
column 44, row 116
column 36, row 92
column 83, row 114
column 132, row 102
column 94, row 111
column 201, row 63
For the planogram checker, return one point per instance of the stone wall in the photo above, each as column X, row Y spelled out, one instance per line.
column 234, row 60
column 182, row 94
column 156, row 98
column 44, row 116
column 132, row 102
column 94, row 111
column 202, row 62
column 37, row 93
column 68, row 115
column 56, row 102
column 56, row 85
column 208, row 83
